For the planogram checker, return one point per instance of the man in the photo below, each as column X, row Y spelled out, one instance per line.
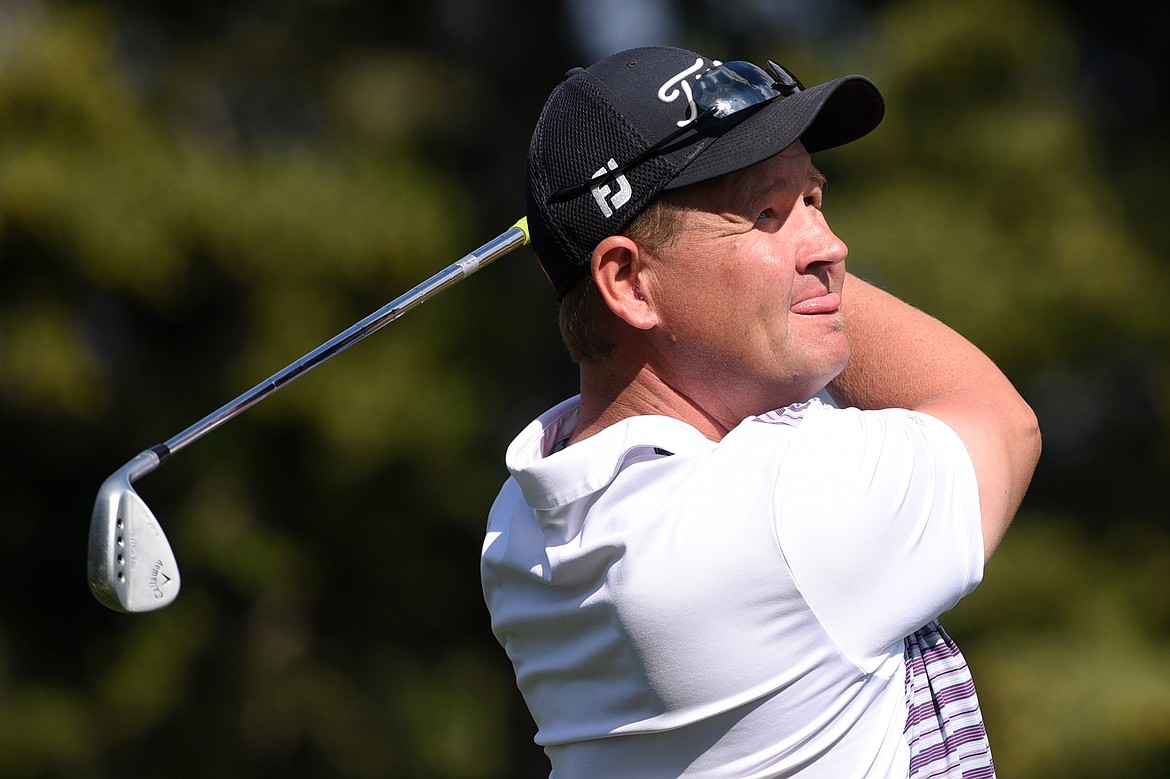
column 696, row 568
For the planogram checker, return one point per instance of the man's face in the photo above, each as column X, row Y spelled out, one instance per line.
column 748, row 295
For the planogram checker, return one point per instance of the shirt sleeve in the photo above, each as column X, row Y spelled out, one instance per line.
column 878, row 518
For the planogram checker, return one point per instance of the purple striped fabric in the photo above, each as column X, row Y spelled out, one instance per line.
column 944, row 726
column 790, row 416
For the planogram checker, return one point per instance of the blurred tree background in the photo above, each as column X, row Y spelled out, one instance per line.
column 194, row 194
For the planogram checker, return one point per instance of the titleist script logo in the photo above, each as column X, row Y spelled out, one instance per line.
column 677, row 86
column 672, row 89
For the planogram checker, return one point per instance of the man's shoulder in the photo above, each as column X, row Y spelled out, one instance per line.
column 821, row 416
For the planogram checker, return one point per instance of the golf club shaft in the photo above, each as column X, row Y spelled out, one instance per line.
column 513, row 238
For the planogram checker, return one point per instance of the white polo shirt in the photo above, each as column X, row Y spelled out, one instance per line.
column 679, row 607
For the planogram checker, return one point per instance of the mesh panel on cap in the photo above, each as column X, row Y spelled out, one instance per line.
column 577, row 133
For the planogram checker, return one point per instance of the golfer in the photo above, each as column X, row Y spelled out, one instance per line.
column 698, row 568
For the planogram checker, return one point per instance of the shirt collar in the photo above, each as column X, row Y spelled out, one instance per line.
column 550, row 479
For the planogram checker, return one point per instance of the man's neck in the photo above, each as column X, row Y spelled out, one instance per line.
column 618, row 388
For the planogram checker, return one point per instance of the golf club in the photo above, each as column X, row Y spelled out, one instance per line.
column 131, row 566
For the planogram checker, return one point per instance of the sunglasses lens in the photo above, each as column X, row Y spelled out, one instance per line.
column 732, row 87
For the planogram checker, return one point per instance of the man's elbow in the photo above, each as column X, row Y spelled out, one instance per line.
column 1022, row 438
column 1029, row 442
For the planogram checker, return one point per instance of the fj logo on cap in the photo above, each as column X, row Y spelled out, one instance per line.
column 607, row 200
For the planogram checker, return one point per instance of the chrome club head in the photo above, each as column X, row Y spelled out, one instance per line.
column 131, row 565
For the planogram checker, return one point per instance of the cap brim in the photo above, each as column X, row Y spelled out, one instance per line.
column 822, row 117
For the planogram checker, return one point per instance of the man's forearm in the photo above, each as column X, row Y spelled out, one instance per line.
column 904, row 358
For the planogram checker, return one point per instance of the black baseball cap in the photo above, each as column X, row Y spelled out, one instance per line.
column 602, row 117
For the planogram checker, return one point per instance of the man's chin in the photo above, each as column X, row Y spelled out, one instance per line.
column 835, row 362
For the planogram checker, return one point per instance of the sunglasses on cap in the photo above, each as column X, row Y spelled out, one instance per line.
column 722, row 91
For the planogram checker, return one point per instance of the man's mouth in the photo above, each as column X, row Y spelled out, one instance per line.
column 829, row 303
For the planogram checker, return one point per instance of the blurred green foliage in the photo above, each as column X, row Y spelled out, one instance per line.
column 192, row 197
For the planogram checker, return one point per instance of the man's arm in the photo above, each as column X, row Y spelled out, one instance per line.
column 903, row 358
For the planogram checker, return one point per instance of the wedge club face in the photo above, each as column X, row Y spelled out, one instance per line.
column 131, row 565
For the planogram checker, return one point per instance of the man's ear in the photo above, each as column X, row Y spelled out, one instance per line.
column 619, row 271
